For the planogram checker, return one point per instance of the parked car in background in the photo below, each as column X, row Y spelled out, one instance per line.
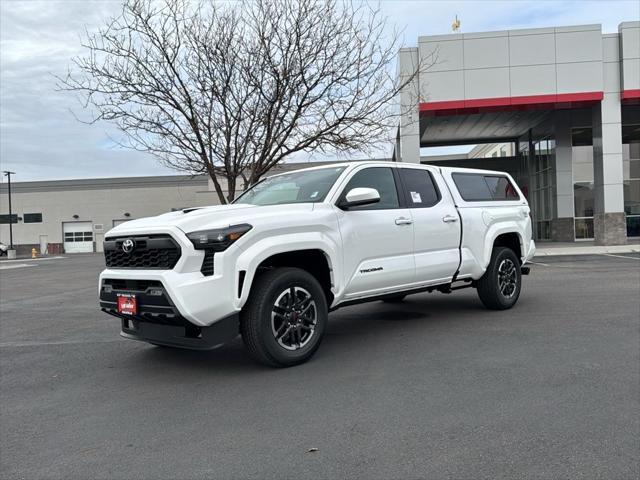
column 273, row 264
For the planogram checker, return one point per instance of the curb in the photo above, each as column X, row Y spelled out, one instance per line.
column 29, row 259
column 615, row 249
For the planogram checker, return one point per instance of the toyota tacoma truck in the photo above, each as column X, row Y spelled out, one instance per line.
column 295, row 246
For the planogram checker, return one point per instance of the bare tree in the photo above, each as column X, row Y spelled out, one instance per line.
column 233, row 89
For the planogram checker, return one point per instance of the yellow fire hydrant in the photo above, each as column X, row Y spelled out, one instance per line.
column 34, row 253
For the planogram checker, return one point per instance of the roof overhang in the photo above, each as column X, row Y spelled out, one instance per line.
column 502, row 104
column 490, row 120
column 630, row 97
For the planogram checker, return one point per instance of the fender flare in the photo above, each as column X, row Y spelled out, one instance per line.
column 492, row 234
column 258, row 252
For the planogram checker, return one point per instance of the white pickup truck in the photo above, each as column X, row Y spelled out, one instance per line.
column 295, row 246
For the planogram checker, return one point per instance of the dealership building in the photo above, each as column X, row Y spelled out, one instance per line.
column 563, row 104
column 558, row 108
column 72, row 216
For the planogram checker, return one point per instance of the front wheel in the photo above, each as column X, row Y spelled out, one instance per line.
column 499, row 287
column 285, row 317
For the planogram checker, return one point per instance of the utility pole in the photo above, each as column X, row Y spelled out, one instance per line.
column 8, row 175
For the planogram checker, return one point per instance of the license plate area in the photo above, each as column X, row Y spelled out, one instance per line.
column 127, row 304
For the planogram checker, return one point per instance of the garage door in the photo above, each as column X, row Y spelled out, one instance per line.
column 78, row 237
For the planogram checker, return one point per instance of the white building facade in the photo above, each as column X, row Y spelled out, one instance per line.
column 72, row 216
column 565, row 99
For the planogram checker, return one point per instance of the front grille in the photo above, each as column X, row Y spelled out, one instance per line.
column 149, row 251
column 132, row 285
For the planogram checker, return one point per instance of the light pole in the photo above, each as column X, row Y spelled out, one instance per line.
column 8, row 174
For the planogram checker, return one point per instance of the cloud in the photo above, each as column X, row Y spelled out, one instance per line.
column 40, row 139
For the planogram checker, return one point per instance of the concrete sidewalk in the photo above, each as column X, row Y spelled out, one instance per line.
column 582, row 248
column 23, row 258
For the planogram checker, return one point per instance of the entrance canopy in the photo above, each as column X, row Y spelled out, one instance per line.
column 491, row 120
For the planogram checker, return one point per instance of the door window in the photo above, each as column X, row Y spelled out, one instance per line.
column 380, row 178
column 419, row 189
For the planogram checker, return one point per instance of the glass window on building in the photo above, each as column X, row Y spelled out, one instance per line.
column 631, row 159
column 542, row 182
column 5, row 218
column 583, row 192
column 32, row 218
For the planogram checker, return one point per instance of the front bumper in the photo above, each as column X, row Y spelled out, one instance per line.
column 188, row 336
column 159, row 321
column 201, row 300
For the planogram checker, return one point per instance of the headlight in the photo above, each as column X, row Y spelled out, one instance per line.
column 219, row 239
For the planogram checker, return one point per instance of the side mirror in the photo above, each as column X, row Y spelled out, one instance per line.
column 360, row 196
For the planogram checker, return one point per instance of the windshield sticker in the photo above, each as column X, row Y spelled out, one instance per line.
column 314, row 194
column 415, row 197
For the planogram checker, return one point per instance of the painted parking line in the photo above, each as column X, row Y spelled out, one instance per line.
column 17, row 265
column 62, row 342
column 620, row 256
column 538, row 263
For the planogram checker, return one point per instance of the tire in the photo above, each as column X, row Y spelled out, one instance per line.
column 273, row 338
column 499, row 287
column 396, row 299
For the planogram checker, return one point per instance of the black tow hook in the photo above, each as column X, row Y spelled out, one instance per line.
column 525, row 270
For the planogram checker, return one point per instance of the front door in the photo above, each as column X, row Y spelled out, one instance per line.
column 436, row 225
column 44, row 244
column 377, row 239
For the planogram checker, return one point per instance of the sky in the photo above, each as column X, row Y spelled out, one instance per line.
column 40, row 138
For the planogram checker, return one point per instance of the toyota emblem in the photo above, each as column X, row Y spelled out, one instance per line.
column 128, row 245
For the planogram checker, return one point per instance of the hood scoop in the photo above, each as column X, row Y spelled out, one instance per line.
column 193, row 209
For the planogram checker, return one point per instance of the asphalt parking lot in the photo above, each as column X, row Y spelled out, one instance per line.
column 436, row 387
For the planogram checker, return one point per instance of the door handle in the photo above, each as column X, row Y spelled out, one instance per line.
column 403, row 221
column 449, row 219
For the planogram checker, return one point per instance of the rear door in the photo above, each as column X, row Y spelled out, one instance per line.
column 377, row 239
column 436, row 224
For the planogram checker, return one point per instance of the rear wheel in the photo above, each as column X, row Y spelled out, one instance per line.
column 499, row 287
column 285, row 317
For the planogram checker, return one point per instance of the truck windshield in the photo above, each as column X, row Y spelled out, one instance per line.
column 306, row 186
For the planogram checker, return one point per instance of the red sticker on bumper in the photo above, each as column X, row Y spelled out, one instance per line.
column 127, row 304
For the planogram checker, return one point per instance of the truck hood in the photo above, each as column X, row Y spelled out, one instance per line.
column 218, row 216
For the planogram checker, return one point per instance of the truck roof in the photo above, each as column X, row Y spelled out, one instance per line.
column 471, row 170
column 401, row 164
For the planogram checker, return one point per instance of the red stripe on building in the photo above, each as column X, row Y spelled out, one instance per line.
column 501, row 104
column 630, row 96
